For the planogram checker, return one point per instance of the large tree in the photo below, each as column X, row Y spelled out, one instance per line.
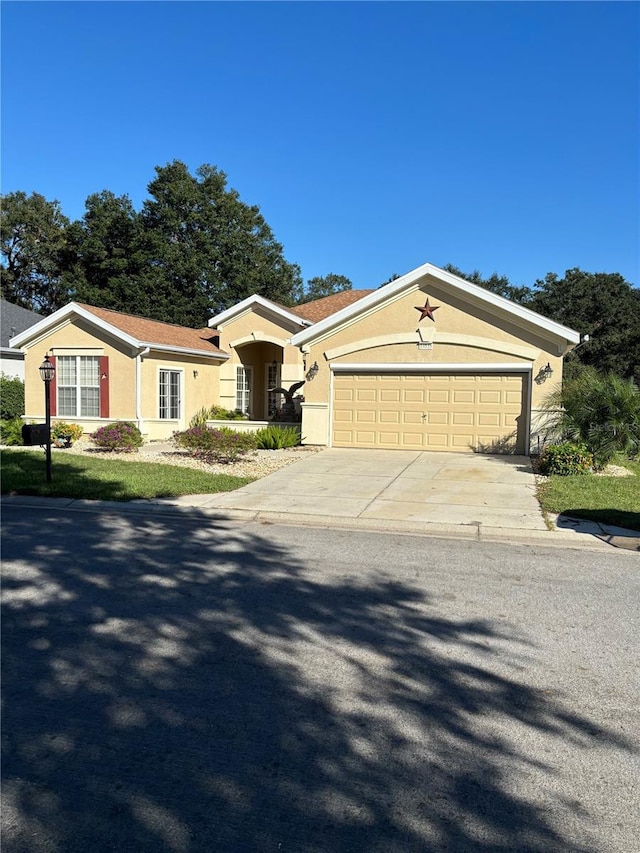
column 603, row 305
column 206, row 249
column 499, row 284
column 325, row 285
column 34, row 252
column 108, row 261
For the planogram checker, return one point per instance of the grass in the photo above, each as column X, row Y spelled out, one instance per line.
column 83, row 477
column 609, row 500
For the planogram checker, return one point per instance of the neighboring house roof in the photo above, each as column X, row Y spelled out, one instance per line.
column 410, row 281
column 137, row 331
column 14, row 319
column 318, row 309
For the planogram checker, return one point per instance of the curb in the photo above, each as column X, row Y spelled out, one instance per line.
column 582, row 536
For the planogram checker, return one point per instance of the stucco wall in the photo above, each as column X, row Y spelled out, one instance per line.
column 78, row 338
column 256, row 339
column 464, row 333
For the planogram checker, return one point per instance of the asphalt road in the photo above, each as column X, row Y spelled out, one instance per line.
column 184, row 685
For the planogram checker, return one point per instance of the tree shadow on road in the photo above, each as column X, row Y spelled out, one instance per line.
column 183, row 685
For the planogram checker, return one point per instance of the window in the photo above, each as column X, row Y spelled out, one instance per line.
column 274, row 401
column 170, row 394
column 78, row 378
column 243, row 389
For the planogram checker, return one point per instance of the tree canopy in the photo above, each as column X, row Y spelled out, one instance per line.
column 603, row 306
column 194, row 249
column 325, row 285
column 34, row 242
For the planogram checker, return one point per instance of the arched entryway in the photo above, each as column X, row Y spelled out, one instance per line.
column 260, row 369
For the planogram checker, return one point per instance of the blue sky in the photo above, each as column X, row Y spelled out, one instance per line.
column 373, row 136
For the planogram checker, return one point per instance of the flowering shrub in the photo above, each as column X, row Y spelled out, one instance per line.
column 566, row 459
column 121, row 436
column 64, row 434
column 215, row 445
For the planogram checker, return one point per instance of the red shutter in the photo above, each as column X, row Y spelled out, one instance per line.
column 104, row 386
column 53, row 390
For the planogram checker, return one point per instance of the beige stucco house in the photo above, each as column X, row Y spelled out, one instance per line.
column 112, row 366
column 428, row 361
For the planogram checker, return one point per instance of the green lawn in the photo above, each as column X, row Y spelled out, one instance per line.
column 610, row 500
column 23, row 473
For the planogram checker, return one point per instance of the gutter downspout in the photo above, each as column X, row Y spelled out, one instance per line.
column 143, row 351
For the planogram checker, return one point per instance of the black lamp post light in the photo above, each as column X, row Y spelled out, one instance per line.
column 47, row 372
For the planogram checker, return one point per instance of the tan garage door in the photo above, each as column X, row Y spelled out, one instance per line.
column 434, row 411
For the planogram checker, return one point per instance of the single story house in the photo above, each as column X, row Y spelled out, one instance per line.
column 13, row 319
column 428, row 361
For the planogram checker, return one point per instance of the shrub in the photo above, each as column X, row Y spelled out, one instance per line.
column 566, row 459
column 64, row 434
column 599, row 410
column 11, row 397
column 215, row 445
column 11, row 432
column 119, row 436
column 217, row 413
column 277, row 437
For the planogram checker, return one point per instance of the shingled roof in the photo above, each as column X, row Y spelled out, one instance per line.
column 155, row 332
column 321, row 308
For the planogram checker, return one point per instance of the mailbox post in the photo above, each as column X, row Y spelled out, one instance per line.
column 47, row 371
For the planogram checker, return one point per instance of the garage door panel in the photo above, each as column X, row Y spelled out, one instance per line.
column 429, row 411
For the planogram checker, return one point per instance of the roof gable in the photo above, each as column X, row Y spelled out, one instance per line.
column 410, row 281
column 253, row 302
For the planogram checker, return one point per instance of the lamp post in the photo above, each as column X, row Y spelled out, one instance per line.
column 47, row 372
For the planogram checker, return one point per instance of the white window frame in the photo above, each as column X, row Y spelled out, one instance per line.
column 272, row 401
column 77, row 413
column 170, row 417
column 244, row 388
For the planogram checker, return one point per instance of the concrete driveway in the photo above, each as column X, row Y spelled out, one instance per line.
column 399, row 486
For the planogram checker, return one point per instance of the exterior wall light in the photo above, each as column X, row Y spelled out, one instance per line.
column 313, row 371
column 544, row 373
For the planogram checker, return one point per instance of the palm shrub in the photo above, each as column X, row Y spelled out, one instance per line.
column 601, row 411
column 277, row 437
column 215, row 445
column 11, row 432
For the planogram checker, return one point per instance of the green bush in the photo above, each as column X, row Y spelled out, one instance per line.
column 566, row 459
column 277, row 437
column 215, row 445
column 11, row 432
column 217, row 413
column 11, row 397
column 599, row 410
column 64, row 434
column 121, row 436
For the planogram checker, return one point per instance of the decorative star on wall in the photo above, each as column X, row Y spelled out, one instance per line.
column 427, row 311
